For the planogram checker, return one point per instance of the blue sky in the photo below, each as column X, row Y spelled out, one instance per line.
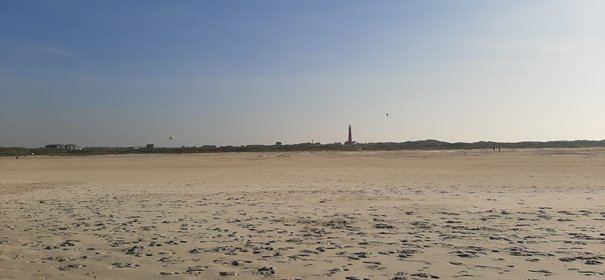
column 127, row 73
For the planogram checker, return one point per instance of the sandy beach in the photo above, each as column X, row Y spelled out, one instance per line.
column 515, row 214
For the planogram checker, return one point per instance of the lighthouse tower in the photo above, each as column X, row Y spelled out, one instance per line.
column 350, row 141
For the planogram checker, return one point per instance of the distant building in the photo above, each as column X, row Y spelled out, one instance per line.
column 55, row 146
column 69, row 147
column 277, row 143
column 149, row 146
column 72, row 147
column 350, row 139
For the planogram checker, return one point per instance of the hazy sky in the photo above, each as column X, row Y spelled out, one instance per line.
column 127, row 73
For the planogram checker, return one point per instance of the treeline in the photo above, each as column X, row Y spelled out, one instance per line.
column 382, row 146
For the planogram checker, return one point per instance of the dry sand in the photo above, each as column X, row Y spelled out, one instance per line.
column 528, row 214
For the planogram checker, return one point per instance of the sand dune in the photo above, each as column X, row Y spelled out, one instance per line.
column 527, row 214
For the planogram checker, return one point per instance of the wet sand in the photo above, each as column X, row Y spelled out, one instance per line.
column 517, row 214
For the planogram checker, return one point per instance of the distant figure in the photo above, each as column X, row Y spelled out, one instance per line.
column 499, row 149
column 387, row 114
column 494, row 149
